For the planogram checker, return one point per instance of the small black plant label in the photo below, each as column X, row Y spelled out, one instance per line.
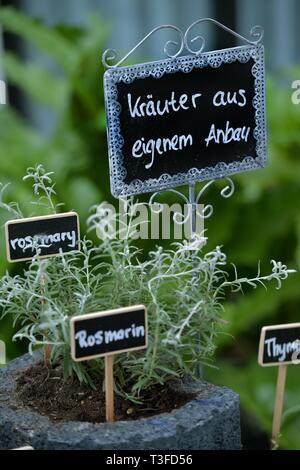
column 279, row 344
column 109, row 332
column 46, row 235
column 187, row 119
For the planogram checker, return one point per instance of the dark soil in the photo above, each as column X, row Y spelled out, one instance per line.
column 44, row 390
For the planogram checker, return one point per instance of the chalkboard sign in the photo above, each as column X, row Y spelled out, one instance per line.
column 48, row 234
column 279, row 344
column 187, row 119
column 113, row 331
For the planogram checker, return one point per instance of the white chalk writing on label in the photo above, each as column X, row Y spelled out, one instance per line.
column 227, row 135
column 281, row 351
column 43, row 240
column 150, row 107
column 109, row 336
column 160, row 146
column 223, row 98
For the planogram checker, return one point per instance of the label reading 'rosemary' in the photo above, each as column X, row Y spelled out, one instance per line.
column 42, row 236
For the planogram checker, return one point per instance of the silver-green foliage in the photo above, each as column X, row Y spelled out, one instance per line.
column 182, row 287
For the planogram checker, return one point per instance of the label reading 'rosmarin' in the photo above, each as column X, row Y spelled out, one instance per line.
column 113, row 331
column 47, row 235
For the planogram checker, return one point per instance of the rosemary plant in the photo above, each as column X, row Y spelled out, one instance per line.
column 182, row 287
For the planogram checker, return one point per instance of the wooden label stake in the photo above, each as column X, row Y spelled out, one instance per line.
column 2, row 352
column 109, row 388
column 47, row 354
column 281, row 378
column 104, row 334
column 47, row 347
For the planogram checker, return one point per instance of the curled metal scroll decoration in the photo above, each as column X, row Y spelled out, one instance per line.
column 184, row 42
column 204, row 213
column 256, row 35
column 157, row 207
column 110, row 54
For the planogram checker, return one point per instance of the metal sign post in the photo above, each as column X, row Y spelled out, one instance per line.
column 131, row 146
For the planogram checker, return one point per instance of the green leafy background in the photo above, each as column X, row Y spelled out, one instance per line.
column 260, row 222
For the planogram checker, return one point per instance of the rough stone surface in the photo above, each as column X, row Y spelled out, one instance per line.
column 210, row 421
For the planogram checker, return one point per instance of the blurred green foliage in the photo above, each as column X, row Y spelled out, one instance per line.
column 260, row 222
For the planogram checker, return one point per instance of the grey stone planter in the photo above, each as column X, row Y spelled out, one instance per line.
column 210, row 421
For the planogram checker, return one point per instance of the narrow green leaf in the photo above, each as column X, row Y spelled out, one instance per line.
column 37, row 82
column 41, row 36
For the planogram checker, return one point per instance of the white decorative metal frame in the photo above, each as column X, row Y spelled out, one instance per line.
column 198, row 59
